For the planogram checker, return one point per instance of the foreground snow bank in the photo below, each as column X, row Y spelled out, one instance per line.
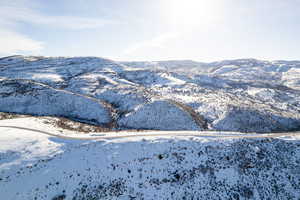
column 27, row 97
column 38, row 166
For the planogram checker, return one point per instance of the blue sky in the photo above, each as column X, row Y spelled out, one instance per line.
column 203, row 30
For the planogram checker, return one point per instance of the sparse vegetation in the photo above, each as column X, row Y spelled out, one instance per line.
column 10, row 116
column 68, row 124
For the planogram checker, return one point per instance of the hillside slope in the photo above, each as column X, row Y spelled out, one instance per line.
column 91, row 128
column 38, row 166
column 245, row 95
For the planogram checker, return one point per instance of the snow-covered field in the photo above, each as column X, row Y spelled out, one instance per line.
column 149, row 130
column 195, row 165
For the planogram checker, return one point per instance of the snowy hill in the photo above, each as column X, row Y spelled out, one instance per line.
column 88, row 128
column 171, row 65
column 244, row 95
column 27, row 97
column 35, row 165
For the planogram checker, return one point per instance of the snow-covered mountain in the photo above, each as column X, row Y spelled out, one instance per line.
column 86, row 128
column 244, row 95
column 171, row 65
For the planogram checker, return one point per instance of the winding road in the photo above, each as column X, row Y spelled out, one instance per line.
column 215, row 134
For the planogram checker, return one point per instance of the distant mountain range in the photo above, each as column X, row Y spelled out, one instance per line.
column 245, row 95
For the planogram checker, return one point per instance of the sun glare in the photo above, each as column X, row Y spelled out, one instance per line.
column 190, row 12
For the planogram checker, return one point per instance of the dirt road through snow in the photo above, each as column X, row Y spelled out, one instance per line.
column 228, row 135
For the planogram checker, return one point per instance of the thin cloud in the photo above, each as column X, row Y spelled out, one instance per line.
column 157, row 42
column 14, row 43
column 11, row 13
column 15, row 13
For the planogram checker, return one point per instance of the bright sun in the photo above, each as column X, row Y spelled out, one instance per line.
column 190, row 12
